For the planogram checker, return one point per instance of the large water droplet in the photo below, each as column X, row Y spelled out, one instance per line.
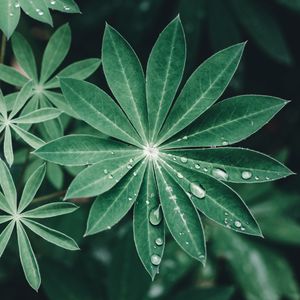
column 179, row 175
column 184, row 159
column 237, row 224
column 219, row 174
column 197, row 190
column 246, row 175
column 159, row 241
column 155, row 259
column 155, row 216
column 197, row 166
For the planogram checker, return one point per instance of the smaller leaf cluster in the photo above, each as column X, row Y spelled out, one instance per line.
column 16, row 215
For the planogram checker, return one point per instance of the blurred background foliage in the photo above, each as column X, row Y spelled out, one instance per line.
column 238, row 267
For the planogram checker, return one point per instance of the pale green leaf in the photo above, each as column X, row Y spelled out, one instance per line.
column 109, row 208
column 80, row 150
column 51, row 210
column 3, row 107
column 79, row 70
column 97, row 109
column 31, row 187
column 125, row 78
column 8, row 148
column 55, row 175
column 24, row 55
column 214, row 199
column 4, row 218
column 37, row 10
column 181, row 216
column 66, row 6
column 11, row 76
column 23, row 96
column 5, row 236
column 28, row 259
column 50, row 235
column 232, row 164
column 164, row 72
column 38, row 116
column 27, row 137
column 9, row 16
column 56, row 51
column 101, row 177
column 202, row 89
column 149, row 239
column 4, row 205
column 228, row 122
column 8, row 187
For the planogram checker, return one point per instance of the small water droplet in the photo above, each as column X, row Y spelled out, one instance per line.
column 110, row 176
column 205, row 169
column 155, row 259
column 155, row 216
column 185, row 137
column 246, row 175
column 131, row 160
column 197, row 166
column 237, row 224
column 105, row 171
column 225, row 143
column 267, row 178
column 220, row 174
column 130, row 198
column 197, row 190
column 256, row 178
column 159, row 241
column 112, row 153
column 134, row 173
column 184, row 160
column 129, row 166
column 179, row 175
column 169, row 189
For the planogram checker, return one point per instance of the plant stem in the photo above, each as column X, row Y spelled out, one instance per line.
column 3, row 49
column 49, row 197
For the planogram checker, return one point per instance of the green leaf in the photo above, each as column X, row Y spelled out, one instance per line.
column 79, row 70
column 9, row 16
column 125, row 77
column 8, row 148
column 28, row 259
column 101, row 177
column 24, row 55
column 31, row 187
column 3, row 107
column 51, row 210
column 264, row 28
column 4, row 219
column 97, row 109
column 56, row 51
column 27, row 137
column 181, row 216
column 66, row 6
column 228, row 122
column 232, row 164
column 55, row 175
column 81, row 150
column 11, row 76
column 5, row 236
column 108, row 209
column 4, row 205
column 149, row 239
column 37, row 10
column 8, row 188
column 23, row 96
column 52, row 236
column 214, row 199
column 215, row 293
column 38, row 116
column 202, row 90
column 164, row 72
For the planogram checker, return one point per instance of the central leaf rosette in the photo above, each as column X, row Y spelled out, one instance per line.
column 165, row 157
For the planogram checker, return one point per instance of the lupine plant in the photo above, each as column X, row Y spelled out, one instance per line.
column 165, row 151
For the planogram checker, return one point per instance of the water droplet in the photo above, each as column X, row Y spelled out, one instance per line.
column 267, row 178
column 130, row 198
column 186, row 242
column 197, row 166
column 256, row 178
column 184, row 159
column 17, row 4
column 159, row 241
column 155, row 216
column 131, row 160
column 197, row 190
column 129, row 166
column 134, row 173
column 205, row 169
column 155, row 259
column 185, row 137
column 105, row 171
column 169, row 189
column 220, row 174
column 110, row 176
column 112, row 153
column 179, row 175
column 174, row 158
column 246, row 175
column 237, row 224
column 225, row 143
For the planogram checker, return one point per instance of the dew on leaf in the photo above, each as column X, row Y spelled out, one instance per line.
column 159, row 241
column 155, row 216
column 237, row 224
column 246, row 175
column 197, row 190
column 155, row 259
column 184, row 160
column 197, row 166
column 220, row 174
column 179, row 175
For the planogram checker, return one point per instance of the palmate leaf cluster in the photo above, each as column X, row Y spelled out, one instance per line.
column 168, row 158
column 10, row 11
column 15, row 214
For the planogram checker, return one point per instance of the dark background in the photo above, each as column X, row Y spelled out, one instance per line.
column 270, row 65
